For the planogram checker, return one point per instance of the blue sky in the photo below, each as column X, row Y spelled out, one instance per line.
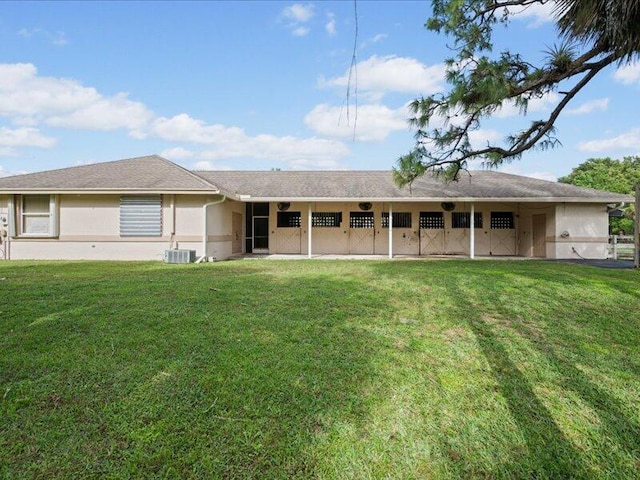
column 259, row 85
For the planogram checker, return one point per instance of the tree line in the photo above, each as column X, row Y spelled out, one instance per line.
column 619, row 176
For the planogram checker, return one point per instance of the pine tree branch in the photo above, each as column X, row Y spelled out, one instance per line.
column 526, row 139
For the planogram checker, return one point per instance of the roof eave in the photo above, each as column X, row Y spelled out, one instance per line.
column 249, row 198
column 104, row 191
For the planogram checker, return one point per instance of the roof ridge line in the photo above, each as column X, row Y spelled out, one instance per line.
column 186, row 170
column 80, row 166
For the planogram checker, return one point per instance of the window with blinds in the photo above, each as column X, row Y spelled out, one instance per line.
column 36, row 216
column 141, row 216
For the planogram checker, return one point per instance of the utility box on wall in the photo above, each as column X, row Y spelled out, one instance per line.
column 179, row 256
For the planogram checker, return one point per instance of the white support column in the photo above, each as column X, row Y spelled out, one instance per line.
column 472, row 234
column 636, row 233
column 390, row 230
column 309, row 231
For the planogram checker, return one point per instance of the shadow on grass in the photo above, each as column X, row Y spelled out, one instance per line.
column 207, row 373
column 244, row 370
column 472, row 290
column 548, row 447
column 615, row 417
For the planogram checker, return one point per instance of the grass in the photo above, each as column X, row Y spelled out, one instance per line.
column 319, row 369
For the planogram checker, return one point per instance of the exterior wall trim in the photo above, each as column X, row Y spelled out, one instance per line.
column 480, row 200
column 577, row 240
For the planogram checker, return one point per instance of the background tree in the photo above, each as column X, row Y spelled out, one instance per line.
column 593, row 34
column 618, row 176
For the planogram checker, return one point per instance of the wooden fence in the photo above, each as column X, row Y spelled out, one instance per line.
column 621, row 247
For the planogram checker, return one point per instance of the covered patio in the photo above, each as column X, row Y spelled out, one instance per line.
column 484, row 213
column 392, row 229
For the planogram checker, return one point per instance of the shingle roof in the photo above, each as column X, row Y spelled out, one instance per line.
column 156, row 174
column 378, row 185
column 151, row 173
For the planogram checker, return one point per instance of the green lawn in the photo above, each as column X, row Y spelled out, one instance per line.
column 319, row 369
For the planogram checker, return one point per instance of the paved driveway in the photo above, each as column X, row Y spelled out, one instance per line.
column 602, row 263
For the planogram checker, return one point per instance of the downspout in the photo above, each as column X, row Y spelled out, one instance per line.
column 390, row 231
column 309, row 230
column 11, row 227
column 205, row 232
column 4, row 237
column 472, row 233
column 636, row 230
column 172, row 238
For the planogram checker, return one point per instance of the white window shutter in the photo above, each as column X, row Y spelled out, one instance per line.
column 12, row 216
column 53, row 216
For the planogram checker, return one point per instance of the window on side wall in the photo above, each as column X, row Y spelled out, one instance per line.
column 36, row 214
column 141, row 216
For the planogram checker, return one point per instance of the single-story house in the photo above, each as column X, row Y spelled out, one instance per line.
column 138, row 208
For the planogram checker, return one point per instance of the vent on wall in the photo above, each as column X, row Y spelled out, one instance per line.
column 179, row 256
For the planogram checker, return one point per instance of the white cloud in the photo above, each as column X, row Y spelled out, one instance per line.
column 24, row 137
column 509, row 109
column 628, row 74
column 206, row 165
column 537, row 13
column 297, row 16
column 58, row 39
column 105, row 114
column 298, row 12
column 88, row 161
column 183, row 128
column 518, row 171
column 4, row 173
column 326, row 164
column 177, row 153
column 625, row 141
column 29, row 99
column 330, row 26
column 8, row 152
column 300, row 31
column 600, row 104
column 233, row 142
column 479, row 138
column 373, row 123
column 286, row 149
column 380, row 75
column 373, row 40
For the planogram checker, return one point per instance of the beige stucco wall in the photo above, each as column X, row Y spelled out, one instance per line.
column 406, row 241
column 89, row 229
column 587, row 226
column 4, row 214
column 219, row 227
column 525, row 228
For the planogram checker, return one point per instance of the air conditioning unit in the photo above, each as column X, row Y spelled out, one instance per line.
column 179, row 256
